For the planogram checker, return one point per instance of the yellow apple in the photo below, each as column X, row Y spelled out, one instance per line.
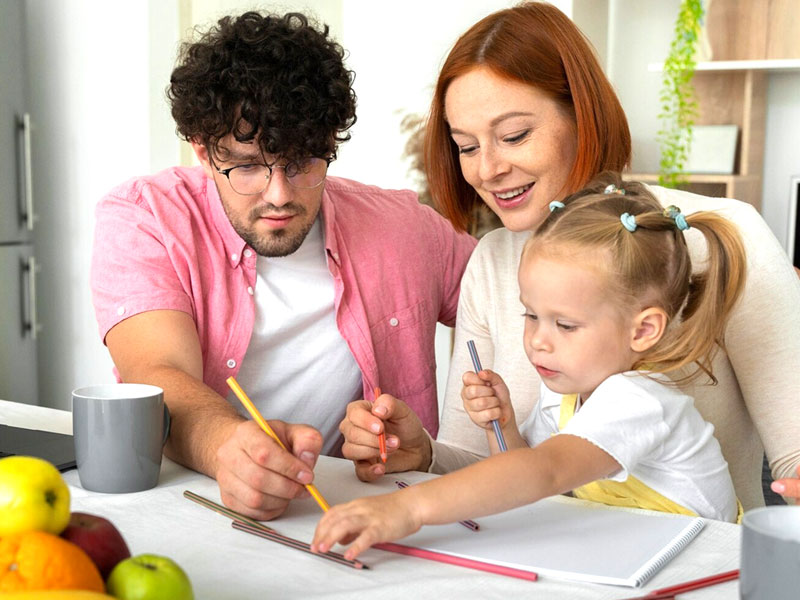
column 33, row 496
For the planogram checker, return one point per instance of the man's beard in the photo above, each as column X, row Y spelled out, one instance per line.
column 279, row 242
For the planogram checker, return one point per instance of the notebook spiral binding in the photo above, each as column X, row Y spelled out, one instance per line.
column 667, row 554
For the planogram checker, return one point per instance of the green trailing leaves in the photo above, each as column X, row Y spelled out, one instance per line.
column 677, row 97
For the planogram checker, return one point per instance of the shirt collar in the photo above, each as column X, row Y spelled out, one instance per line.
column 329, row 221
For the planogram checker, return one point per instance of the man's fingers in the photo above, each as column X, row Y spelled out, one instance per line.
column 303, row 441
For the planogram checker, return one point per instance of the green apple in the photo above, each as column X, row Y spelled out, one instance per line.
column 149, row 577
column 33, row 496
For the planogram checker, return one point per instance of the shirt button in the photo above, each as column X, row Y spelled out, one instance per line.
column 250, row 290
column 121, row 310
column 248, row 253
column 336, row 255
column 393, row 322
column 231, row 363
column 234, row 256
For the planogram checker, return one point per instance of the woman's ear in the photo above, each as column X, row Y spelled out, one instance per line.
column 648, row 327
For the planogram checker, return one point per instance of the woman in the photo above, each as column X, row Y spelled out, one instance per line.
column 522, row 115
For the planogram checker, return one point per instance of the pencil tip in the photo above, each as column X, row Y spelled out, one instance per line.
column 384, row 457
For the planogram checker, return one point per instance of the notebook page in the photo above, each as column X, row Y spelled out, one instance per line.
column 559, row 537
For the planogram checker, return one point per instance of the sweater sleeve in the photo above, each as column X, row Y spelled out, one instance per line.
column 490, row 314
column 763, row 342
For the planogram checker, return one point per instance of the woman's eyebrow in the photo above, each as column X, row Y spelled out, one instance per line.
column 497, row 120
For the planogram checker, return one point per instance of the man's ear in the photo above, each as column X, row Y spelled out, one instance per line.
column 201, row 152
column 648, row 327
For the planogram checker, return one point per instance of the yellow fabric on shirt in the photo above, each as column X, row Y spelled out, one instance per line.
column 631, row 493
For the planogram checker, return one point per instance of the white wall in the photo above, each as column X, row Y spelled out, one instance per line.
column 782, row 152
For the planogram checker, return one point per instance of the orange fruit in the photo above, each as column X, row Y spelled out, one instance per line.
column 36, row 560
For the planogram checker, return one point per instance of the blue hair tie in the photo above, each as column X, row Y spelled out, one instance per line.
column 628, row 221
column 680, row 222
column 674, row 213
column 556, row 205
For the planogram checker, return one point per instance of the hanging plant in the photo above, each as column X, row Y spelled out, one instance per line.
column 677, row 98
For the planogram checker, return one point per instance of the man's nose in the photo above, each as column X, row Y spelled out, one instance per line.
column 278, row 191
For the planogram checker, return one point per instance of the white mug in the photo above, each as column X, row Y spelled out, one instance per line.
column 770, row 568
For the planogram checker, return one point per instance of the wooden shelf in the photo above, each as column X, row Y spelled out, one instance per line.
column 777, row 64
column 721, row 178
column 746, row 188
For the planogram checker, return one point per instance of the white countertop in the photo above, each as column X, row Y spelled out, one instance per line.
column 227, row 564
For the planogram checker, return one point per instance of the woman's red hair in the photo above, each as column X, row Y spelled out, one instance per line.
column 536, row 44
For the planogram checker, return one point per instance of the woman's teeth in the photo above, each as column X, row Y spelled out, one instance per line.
column 515, row 192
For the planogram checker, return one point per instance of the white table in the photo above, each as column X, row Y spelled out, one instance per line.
column 227, row 564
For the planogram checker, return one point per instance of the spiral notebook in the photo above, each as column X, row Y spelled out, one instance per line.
column 558, row 537
column 571, row 539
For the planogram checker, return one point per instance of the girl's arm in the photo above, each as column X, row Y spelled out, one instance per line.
column 499, row 483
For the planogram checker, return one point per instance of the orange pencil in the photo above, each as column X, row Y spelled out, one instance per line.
column 382, row 435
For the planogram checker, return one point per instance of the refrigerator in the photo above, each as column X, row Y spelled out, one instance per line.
column 19, row 323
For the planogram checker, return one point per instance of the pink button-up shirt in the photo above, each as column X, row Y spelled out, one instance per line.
column 164, row 242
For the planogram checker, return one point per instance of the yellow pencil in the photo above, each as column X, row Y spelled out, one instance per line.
column 234, row 385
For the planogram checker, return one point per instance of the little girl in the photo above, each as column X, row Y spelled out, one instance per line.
column 611, row 305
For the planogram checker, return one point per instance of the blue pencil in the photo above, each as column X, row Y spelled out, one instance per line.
column 476, row 362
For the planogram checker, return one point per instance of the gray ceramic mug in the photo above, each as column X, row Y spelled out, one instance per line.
column 770, row 568
column 119, row 431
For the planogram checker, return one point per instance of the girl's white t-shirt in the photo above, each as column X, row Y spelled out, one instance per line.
column 654, row 432
column 297, row 367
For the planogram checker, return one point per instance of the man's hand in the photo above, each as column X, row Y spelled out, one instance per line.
column 407, row 443
column 257, row 477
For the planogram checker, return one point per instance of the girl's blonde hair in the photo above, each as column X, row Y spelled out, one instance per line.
column 650, row 266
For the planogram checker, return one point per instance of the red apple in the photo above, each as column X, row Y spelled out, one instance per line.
column 99, row 538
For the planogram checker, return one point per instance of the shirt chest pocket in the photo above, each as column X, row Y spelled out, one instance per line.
column 404, row 349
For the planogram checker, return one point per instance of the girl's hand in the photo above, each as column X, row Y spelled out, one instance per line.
column 365, row 522
column 486, row 398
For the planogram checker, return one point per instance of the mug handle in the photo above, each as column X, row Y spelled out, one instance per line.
column 167, row 424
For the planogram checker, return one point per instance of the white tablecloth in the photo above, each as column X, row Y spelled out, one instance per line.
column 227, row 564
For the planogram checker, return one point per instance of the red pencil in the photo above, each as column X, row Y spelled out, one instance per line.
column 695, row 584
column 382, row 434
column 457, row 560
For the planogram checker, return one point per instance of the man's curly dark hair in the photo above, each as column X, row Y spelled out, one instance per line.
column 273, row 79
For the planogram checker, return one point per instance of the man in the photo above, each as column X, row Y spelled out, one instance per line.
column 310, row 290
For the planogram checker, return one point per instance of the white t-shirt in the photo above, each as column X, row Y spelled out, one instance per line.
column 656, row 435
column 297, row 367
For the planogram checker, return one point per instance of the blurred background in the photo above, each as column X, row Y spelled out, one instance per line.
column 90, row 75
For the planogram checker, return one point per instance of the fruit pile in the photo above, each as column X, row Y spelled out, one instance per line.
column 44, row 546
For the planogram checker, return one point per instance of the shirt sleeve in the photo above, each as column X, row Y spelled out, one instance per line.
column 762, row 341
column 453, row 252
column 622, row 419
column 131, row 269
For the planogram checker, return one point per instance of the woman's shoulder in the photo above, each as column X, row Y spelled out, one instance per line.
column 497, row 254
column 736, row 210
column 756, row 234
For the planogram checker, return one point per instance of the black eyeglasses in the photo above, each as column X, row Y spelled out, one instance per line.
column 252, row 179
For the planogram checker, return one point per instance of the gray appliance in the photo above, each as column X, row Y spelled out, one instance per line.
column 18, row 320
